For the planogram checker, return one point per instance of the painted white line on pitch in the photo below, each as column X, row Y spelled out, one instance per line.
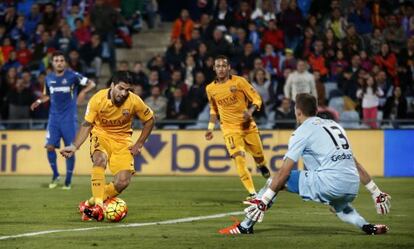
column 166, row 222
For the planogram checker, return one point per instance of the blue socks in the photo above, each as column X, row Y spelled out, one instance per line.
column 51, row 157
column 70, row 165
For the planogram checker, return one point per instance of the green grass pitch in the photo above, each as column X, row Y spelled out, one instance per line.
column 28, row 206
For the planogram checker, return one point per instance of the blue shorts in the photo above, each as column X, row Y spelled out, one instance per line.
column 57, row 129
column 292, row 184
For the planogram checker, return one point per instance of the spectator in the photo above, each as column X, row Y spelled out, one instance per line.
column 189, row 70
column 254, row 36
column 396, row 107
column 123, row 66
column 12, row 62
column 360, row 17
column 285, row 116
column 218, row 45
column 178, row 108
column 337, row 23
column 41, row 112
column 289, row 61
column 19, row 31
column 50, row 18
column 376, row 39
column 271, row 61
column 387, row 61
column 242, row 15
column 81, row 32
column 317, row 60
column 91, row 54
column 366, row 62
column 353, row 43
column 33, row 19
column 23, row 54
column 192, row 45
column 19, row 100
column 263, row 86
column 406, row 63
column 197, row 95
column 157, row 103
column 75, row 13
column 175, row 54
column 273, row 36
column 394, row 34
column 76, row 63
column 9, row 18
column 182, row 27
column 369, row 94
column 64, row 41
column 104, row 19
column 175, row 83
column 292, row 20
column 140, row 77
column 265, row 13
column 330, row 46
column 223, row 16
column 304, row 48
column 246, row 61
column 300, row 81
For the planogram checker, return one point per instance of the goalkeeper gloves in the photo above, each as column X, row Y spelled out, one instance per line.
column 382, row 200
column 259, row 206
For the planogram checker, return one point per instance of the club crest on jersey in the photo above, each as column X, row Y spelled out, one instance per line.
column 233, row 89
column 125, row 112
column 64, row 81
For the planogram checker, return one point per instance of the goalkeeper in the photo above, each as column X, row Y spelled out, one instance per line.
column 332, row 176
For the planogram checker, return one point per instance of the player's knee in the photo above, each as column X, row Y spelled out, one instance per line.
column 239, row 153
column 99, row 161
column 259, row 159
column 50, row 147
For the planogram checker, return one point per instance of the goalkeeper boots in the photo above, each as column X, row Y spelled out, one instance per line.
column 236, row 228
column 264, row 171
column 96, row 212
column 372, row 229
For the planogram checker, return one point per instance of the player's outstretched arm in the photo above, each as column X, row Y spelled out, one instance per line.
column 256, row 211
column 382, row 200
column 39, row 101
column 82, row 94
column 81, row 136
column 146, row 131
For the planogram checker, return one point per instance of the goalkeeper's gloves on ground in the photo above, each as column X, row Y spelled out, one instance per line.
column 258, row 207
column 382, row 200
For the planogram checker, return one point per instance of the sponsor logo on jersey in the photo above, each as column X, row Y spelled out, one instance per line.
column 341, row 157
column 116, row 122
column 62, row 89
column 227, row 101
column 233, row 89
column 64, row 81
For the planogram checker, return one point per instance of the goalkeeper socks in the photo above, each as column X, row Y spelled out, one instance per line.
column 70, row 165
column 98, row 184
column 51, row 157
column 244, row 174
column 247, row 223
column 353, row 218
column 110, row 191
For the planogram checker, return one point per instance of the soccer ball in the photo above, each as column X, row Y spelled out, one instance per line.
column 115, row 209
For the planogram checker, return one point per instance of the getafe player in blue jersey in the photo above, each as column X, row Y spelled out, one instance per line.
column 332, row 176
column 61, row 89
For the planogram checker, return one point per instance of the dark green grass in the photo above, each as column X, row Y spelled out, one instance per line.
column 28, row 206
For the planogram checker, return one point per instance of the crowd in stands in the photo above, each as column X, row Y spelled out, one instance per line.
column 87, row 31
column 356, row 56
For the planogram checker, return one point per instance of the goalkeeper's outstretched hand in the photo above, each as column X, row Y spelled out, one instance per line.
column 256, row 210
column 382, row 203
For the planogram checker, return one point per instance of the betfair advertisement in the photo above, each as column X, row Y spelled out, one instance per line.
column 175, row 153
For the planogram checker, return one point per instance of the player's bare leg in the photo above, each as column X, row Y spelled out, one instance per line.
column 121, row 182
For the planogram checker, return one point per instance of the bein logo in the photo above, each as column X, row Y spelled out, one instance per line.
column 341, row 157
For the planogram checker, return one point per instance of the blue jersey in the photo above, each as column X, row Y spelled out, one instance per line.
column 63, row 92
column 328, row 159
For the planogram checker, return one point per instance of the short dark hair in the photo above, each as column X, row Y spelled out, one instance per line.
column 122, row 76
column 222, row 57
column 307, row 104
column 58, row 53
